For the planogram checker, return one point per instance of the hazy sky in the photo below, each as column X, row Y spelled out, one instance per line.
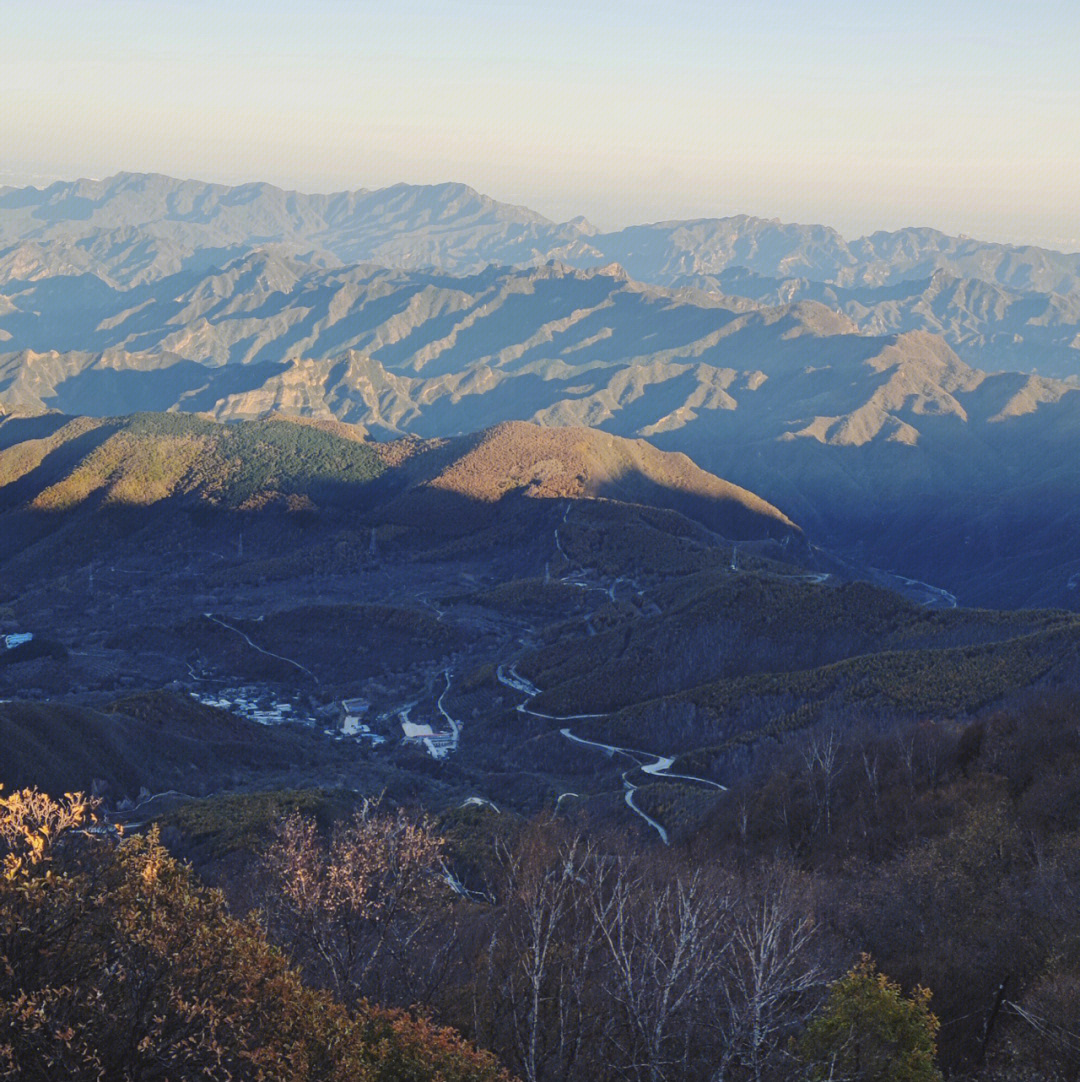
column 863, row 115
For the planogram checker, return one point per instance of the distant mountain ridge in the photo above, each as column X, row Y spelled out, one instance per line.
column 671, row 252
column 457, row 229
column 999, row 306
column 448, row 226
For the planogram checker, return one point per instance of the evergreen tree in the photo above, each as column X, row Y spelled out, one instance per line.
column 869, row 1031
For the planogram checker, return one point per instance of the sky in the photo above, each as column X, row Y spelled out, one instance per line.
column 954, row 114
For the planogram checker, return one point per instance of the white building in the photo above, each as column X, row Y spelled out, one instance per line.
column 438, row 745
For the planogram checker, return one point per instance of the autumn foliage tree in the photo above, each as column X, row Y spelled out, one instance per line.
column 30, row 823
column 116, row 964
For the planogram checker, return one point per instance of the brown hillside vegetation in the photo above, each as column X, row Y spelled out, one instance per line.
column 717, row 625
column 943, row 683
column 56, row 464
column 576, row 463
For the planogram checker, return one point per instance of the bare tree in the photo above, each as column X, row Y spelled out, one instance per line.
column 367, row 893
column 821, row 756
column 931, row 748
column 905, row 746
column 538, row 959
column 870, row 767
column 659, row 939
column 766, row 970
column 742, row 817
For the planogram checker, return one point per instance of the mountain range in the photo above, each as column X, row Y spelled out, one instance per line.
column 855, row 385
column 998, row 305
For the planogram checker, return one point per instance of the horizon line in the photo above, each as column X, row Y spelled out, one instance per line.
column 55, row 180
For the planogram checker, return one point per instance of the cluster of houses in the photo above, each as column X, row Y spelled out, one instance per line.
column 351, row 715
column 351, row 721
column 250, row 703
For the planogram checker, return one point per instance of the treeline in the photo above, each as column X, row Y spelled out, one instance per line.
column 115, row 963
column 949, row 851
column 578, row 958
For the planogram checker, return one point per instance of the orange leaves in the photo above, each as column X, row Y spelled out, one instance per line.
column 31, row 822
column 119, row 964
column 403, row 1049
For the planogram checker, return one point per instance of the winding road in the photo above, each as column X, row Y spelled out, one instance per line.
column 509, row 677
column 481, row 802
column 439, row 613
column 934, row 593
column 657, row 766
column 453, row 723
column 628, row 786
column 256, row 646
column 660, row 767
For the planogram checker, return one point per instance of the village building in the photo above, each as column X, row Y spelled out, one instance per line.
column 437, row 744
column 353, row 712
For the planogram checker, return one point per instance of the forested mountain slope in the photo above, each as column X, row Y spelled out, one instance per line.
column 887, row 446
